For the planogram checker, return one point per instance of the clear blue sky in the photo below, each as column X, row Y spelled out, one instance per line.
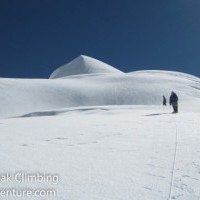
column 37, row 36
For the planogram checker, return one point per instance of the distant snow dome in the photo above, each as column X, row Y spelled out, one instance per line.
column 83, row 65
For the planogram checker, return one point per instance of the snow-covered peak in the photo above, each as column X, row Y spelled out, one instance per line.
column 83, row 65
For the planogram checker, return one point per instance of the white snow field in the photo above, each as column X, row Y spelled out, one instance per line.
column 103, row 132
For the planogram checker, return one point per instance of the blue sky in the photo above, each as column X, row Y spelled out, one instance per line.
column 37, row 36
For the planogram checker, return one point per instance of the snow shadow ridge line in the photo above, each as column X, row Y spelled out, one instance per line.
column 156, row 114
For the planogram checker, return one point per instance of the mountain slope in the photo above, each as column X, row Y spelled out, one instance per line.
column 115, row 153
column 22, row 96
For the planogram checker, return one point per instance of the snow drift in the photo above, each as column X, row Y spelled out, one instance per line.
column 23, row 96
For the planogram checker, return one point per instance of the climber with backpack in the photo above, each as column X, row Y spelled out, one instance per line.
column 174, row 101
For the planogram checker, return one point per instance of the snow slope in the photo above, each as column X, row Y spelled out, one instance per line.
column 22, row 96
column 107, row 152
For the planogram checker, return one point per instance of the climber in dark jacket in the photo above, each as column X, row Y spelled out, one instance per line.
column 174, row 102
column 164, row 101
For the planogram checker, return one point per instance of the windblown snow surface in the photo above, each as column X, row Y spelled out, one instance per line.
column 104, row 133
